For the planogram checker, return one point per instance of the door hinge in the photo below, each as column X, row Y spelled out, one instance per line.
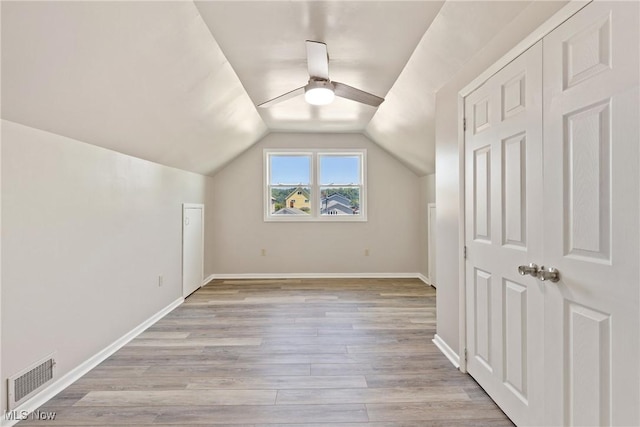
column 464, row 124
column 464, row 252
column 465, row 355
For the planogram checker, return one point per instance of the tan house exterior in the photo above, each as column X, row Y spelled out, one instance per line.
column 299, row 199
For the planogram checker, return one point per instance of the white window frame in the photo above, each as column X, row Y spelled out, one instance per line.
column 314, row 185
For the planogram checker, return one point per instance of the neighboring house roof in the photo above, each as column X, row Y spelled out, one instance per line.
column 340, row 199
column 290, row 211
column 304, row 192
column 334, row 205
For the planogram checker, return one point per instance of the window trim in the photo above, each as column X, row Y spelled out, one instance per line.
column 314, row 185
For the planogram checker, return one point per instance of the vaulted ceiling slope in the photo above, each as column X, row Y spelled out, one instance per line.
column 369, row 43
column 176, row 82
column 404, row 124
column 143, row 78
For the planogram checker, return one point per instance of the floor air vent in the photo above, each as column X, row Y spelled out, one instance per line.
column 27, row 382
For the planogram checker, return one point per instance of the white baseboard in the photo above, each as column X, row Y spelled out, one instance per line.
column 208, row 279
column 425, row 279
column 446, row 350
column 314, row 276
column 70, row 377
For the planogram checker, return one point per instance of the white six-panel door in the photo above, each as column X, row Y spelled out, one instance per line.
column 503, row 155
column 591, row 139
column 559, row 190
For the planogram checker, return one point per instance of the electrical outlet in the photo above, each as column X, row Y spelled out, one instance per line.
column 263, row 252
column 366, row 252
column 160, row 280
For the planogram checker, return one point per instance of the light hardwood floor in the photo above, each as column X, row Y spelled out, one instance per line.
column 284, row 353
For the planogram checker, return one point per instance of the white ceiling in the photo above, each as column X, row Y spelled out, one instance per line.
column 404, row 123
column 177, row 82
column 142, row 78
column 368, row 43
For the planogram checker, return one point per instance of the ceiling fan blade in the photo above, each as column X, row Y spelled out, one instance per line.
column 317, row 60
column 346, row 91
column 282, row 98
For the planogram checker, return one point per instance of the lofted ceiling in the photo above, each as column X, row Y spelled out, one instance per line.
column 177, row 82
column 143, row 78
column 404, row 124
column 368, row 43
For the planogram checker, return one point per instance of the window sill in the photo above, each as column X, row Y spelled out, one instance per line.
column 336, row 218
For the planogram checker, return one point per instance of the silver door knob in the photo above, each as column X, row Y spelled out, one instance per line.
column 551, row 274
column 531, row 269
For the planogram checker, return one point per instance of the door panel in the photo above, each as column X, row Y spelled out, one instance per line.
column 514, row 190
column 515, row 332
column 587, row 194
column 192, row 249
column 589, row 370
column 482, row 291
column 482, row 194
column 503, row 155
column 591, row 139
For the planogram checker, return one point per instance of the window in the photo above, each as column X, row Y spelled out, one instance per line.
column 289, row 184
column 340, row 184
column 315, row 185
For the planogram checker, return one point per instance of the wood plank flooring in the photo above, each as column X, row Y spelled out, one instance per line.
column 284, row 353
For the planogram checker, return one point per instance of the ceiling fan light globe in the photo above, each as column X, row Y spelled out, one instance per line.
column 319, row 96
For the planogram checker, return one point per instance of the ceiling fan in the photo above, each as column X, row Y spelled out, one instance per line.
column 320, row 90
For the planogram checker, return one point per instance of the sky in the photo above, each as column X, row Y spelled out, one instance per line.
column 333, row 169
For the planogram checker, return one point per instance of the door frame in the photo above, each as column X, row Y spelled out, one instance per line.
column 186, row 206
column 538, row 34
column 431, row 244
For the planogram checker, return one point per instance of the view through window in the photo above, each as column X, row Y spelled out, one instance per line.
column 315, row 185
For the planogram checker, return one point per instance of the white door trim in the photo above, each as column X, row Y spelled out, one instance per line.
column 186, row 206
column 430, row 245
column 549, row 25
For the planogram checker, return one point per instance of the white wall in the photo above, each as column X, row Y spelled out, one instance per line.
column 235, row 216
column 448, row 251
column 429, row 182
column 86, row 232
